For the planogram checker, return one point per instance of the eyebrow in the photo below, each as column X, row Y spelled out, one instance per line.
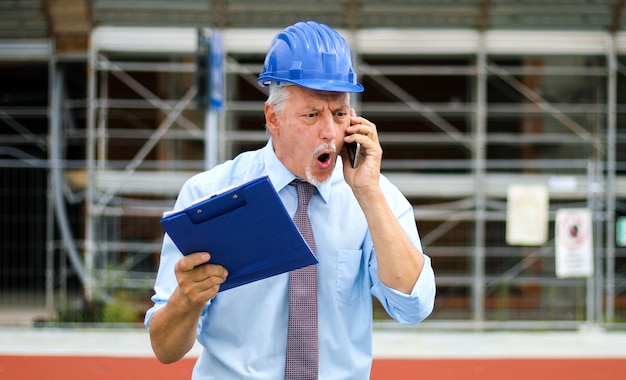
column 311, row 108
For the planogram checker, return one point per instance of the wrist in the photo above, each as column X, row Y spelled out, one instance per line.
column 183, row 304
column 370, row 198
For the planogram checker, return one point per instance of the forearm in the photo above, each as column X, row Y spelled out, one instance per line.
column 399, row 261
column 173, row 329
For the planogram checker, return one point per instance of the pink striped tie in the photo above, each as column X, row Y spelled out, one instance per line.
column 302, row 352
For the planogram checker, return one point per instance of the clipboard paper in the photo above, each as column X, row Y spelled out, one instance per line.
column 246, row 229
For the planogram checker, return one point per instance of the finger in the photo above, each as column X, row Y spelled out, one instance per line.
column 214, row 271
column 202, row 282
column 364, row 134
column 208, row 275
column 361, row 125
column 213, row 276
column 201, row 291
column 188, row 262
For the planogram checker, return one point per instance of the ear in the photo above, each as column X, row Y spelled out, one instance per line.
column 271, row 119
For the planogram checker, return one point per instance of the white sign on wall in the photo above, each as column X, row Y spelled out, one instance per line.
column 527, row 212
column 573, row 243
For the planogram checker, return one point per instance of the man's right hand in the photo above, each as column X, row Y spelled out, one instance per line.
column 198, row 280
column 173, row 327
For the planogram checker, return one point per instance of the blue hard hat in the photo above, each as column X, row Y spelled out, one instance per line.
column 310, row 55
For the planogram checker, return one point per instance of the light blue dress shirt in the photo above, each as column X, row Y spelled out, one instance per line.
column 243, row 330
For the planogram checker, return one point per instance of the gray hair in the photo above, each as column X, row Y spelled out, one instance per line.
column 278, row 96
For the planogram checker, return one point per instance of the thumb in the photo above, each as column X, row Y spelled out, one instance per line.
column 188, row 262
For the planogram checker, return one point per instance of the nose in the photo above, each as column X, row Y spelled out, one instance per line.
column 328, row 127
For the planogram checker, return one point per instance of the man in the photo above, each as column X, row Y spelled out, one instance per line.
column 364, row 230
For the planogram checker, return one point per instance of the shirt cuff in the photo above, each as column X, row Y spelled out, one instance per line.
column 415, row 307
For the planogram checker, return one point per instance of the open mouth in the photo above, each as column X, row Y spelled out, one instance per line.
column 324, row 158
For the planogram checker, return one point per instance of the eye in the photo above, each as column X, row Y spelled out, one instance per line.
column 311, row 115
column 341, row 114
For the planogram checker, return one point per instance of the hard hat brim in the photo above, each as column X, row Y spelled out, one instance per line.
column 317, row 84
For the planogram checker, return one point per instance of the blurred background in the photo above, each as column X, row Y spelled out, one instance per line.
column 503, row 122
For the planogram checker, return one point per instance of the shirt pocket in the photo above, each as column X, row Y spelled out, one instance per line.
column 350, row 276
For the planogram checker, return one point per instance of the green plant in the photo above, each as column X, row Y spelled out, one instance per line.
column 119, row 310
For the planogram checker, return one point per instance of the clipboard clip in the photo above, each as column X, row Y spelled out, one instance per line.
column 219, row 204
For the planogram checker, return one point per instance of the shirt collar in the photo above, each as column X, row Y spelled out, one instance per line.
column 281, row 176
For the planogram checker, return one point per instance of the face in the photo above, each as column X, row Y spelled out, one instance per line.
column 308, row 133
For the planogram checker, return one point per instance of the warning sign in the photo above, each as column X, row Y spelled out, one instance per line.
column 574, row 248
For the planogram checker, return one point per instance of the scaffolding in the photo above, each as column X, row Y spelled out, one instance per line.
column 553, row 121
column 462, row 115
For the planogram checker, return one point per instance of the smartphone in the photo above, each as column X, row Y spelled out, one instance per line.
column 354, row 152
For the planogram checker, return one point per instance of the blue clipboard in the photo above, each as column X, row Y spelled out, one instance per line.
column 246, row 229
